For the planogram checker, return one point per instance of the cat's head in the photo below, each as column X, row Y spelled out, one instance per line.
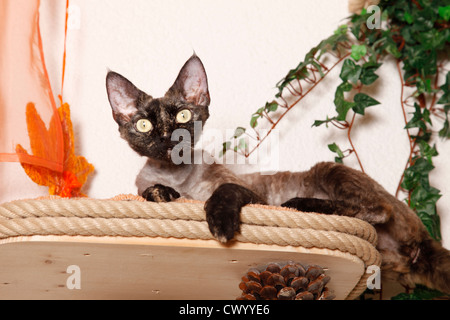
column 147, row 123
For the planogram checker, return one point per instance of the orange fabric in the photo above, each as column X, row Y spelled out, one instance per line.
column 24, row 82
column 33, row 130
column 76, row 169
column 65, row 45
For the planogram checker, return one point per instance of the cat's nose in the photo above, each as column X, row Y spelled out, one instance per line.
column 165, row 136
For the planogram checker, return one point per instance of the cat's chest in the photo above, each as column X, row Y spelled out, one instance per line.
column 186, row 180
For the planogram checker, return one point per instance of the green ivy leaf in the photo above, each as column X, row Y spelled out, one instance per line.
column 408, row 18
column 238, row 132
column 423, row 194
column 255, row 117
column 358, row 51
column 418, row 59
column 341, row 30
column 432, row 39
column 445, row 131
column 444, row 12
column 432, row 224
column 368, row 75
column 427, row 151
column 363, row 101
column 421, row 166
column 271, row 107
column 334, row 148
column 419, row 119
column 254, row 121
column 342, row 106
column 423, row 197
column 408, row 35
column 350, row 71
column 391, row 48
column 445, row 98
column 417, row 173
column 318, row 123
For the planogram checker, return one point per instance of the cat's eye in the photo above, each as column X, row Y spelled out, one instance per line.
column 184, row 116
column 144, row 125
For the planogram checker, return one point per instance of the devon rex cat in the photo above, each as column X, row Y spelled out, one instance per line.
column 409, row 254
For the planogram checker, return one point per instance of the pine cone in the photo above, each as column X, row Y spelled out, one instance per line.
column 291, row 281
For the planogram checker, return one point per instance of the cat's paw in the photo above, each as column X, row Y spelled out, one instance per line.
column 223, row 209
column 160, row 193
column 311, row 205
column 223, row 218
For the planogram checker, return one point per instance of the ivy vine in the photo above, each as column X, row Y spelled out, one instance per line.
column 416, row 34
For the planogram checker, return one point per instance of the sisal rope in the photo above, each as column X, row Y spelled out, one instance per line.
column 186, row 219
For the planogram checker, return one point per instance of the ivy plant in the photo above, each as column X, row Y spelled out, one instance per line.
column 413, row 33
column 419, row 293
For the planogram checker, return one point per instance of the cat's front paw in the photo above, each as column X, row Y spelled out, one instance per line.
column 223, row 209
column 223, row 218
column 160, row 193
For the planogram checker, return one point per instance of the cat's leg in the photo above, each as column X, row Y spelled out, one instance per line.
column 374, row 214
column 314, row 205
column 351, row 192
column 160, row 193
column 223, row 209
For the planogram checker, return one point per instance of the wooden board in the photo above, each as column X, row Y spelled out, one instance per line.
column 149, row 268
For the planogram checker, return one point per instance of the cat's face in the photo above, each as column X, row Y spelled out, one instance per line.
column 147, row 124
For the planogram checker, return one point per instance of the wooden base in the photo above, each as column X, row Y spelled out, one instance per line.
column 150, row 268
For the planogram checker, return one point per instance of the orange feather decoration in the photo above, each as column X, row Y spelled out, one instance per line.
column 76, row 169
column 66, row 181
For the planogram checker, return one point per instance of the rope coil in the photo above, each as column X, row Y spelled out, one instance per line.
column 185, row 219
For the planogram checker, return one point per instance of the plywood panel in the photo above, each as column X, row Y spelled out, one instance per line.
column 150, row 268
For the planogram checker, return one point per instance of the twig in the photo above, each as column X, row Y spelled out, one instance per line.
column 295, row 103
column 349, row 131
column 436, row 81
column 265, row 115
column 339, row 125
column 407, row 130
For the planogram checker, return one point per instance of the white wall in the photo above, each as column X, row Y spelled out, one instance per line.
column 246, row 47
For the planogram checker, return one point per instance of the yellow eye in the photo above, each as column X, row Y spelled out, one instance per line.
column 144, row 125
column 184, row 116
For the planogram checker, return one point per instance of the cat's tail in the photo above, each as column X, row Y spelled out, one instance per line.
column 432, row 266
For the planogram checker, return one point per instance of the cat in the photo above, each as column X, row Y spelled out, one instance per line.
column 410, row 255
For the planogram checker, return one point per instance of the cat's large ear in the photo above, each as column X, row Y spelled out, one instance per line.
column 192, row 84
column 123, row 96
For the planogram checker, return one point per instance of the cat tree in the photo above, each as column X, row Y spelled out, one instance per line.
column 127, row 248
